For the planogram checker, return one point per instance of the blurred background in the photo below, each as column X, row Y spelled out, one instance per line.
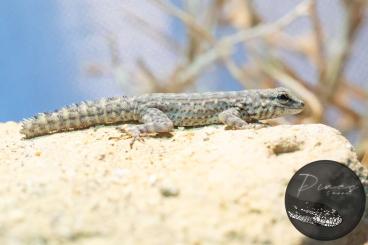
column 60, row 52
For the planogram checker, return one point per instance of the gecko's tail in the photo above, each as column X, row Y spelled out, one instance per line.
column 77, row 116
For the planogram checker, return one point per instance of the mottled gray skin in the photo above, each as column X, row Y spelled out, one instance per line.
column 160, row 112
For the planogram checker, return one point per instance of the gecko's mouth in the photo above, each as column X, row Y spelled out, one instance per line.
column 293, row 106
column 297, row 107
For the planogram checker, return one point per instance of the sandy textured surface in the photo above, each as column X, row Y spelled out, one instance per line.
column 200, row 186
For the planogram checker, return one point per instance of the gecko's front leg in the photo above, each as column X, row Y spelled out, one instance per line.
column 231, row 118
column 153, row 121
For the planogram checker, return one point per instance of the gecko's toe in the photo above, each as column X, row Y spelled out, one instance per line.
column 134, row 139
column 130, row 132
column 255, row 126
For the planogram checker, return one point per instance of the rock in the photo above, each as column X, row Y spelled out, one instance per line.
column 199, row 186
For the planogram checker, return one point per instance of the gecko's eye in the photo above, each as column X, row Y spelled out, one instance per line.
column 283, row 97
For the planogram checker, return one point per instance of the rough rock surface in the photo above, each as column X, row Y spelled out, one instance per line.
column 199, row 186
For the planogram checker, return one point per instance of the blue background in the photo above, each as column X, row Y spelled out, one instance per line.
column 36, row 66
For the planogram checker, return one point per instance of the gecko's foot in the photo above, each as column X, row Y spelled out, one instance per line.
column 252, row 125
column 257, row 125
column 135, row 138
column 131, row 132
column 127, row 136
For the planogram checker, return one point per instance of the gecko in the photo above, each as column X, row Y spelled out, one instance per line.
column 161, row 112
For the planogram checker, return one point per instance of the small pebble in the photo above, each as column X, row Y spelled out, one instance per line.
column 169, row 191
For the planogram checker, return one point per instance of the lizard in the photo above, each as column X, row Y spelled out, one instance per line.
column 161, row 112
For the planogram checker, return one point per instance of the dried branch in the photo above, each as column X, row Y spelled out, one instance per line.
column 318, row 38
column 354, row 12
column 185, row 17
column 166, row 40
column 148, row 75
column 114, row 50
column 224, row 46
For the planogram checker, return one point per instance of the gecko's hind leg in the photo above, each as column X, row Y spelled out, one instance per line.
column 154, row 121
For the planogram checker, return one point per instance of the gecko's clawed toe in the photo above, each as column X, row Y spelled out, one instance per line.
column 130, row 132
column 134, row 139
column 257, row 125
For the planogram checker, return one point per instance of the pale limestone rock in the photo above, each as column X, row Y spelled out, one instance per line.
column 200, row 186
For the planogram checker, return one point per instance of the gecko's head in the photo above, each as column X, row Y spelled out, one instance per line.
column 285, row 103
column 279, row 102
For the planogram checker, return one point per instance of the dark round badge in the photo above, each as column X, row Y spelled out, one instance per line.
column 325, row 200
